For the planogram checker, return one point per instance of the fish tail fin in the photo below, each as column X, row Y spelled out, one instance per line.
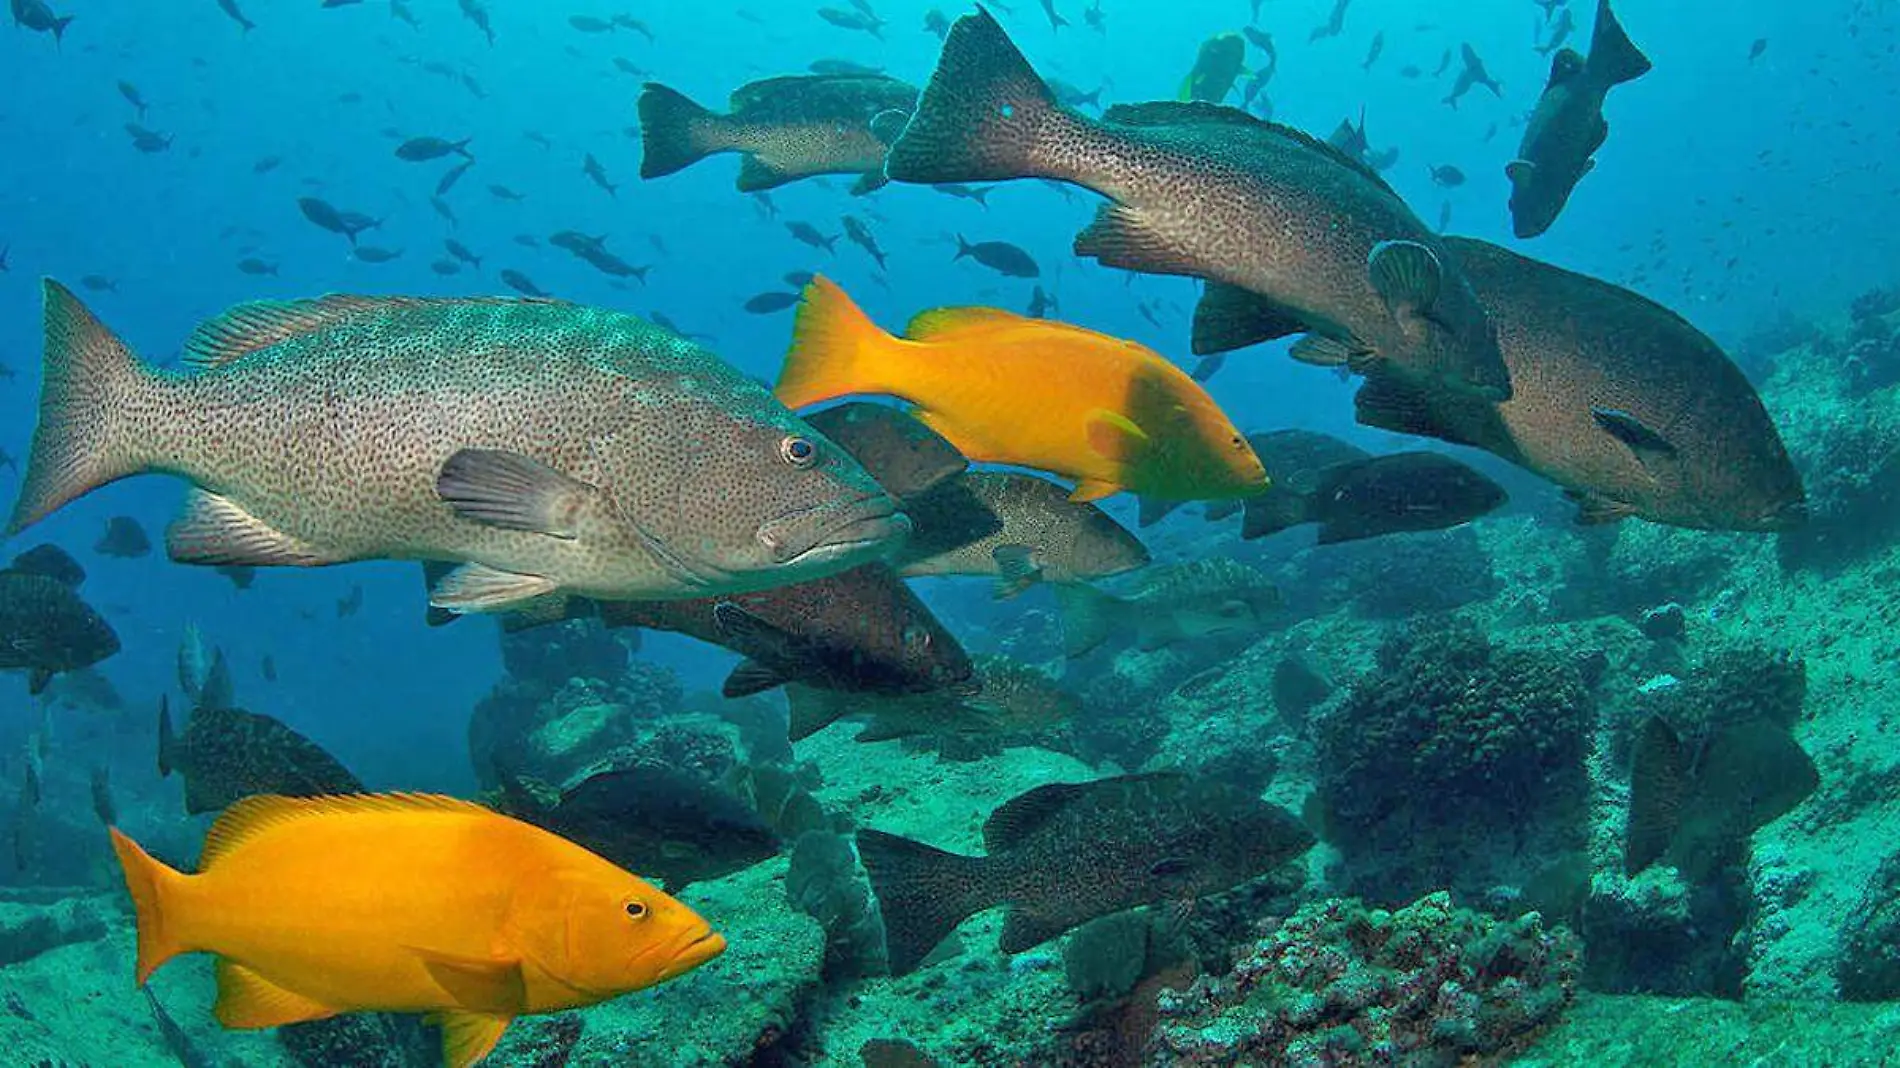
column 1614, row 58
column 462, row 147
column 671, row 131
column 922, row 892
column 150, row 883
column 59, row 34
column 984, row 116
column 964, row 248
column 834, row 349
column 1085, row 617
column 90, row 380
column 167, row 739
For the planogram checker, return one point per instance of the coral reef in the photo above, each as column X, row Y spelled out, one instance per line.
column 1340, row 983
column 1392, row 577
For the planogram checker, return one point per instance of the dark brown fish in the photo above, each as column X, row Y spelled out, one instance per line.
column 1063, row 854
column 1018, row 528
column 1372, row 496
column 1008, row 698
column 1623, row 403
column 123, row 538
column 227, row 753
column 661, row 824
column 906, row 457
column 45, row 627
column 1286, row 223
column 787, row 128
column 1567, row 127
column 53, row 562
column 1695, row 805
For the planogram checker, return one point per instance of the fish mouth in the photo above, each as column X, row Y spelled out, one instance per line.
column 1787, row 515
column 703, row 947
column 830, row 531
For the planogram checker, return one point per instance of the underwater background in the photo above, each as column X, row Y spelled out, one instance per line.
column 1448, row 710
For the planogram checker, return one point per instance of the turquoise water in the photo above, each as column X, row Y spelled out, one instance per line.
column 1744, row 186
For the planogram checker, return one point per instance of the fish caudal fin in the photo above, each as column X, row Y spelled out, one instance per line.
column 150, row 883
column 983, row 117
column 671, row 131
column 81, row 443
column 834, row 349
column 922, row 893
column 1614, row 58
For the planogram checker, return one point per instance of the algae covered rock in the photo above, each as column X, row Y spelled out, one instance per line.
column 1340, row 983
column 28, row 930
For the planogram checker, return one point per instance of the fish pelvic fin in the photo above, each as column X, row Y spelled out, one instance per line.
column 985, row 116
column 467, row 1037
column 150, row 883
column 672, row 131
column 84, row 439
column 836, row 349
column 922, row 892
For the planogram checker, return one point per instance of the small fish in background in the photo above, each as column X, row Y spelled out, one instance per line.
column 124, row 538
column 251, row 265
column 1472, row 73
column 1444, row 64
column 1088, row 430
column 1373, row 53
column 103, row 805
column 673, row 827
column 450, row 177
column 38, row 16
column 770, row 302
column 1559, row 33
column 267, row 667
column 857, row 19
column 1056, row 21
column 147, row 141
column 477, row 13
column 1095, row 17
column 424, row 149
column 502, row 192
column 5, row 267
column 590, row 24
column 597, row 174
column 522, row 284
column 807, row 234
column 1042, row 304
column 1065, row 853
column 1205, row 598
column 326, row 216
column 1567, row 128
column 376, row 253
column 349, row 604
column 935, row 21
column 99, row 283
column 999, row 256
column 624, row 21
column 224, row 754
column 1334, row 25
column 1551, row 7
column 1758, row 49
column 1217, row 67
column 1447, row 176
column 266, row 164
column 860, row 234
column 629, row 68
column 785, row 128
column 461, row 252
column 401, row 12
column 133, row 97
column 1071, row 96
column 45, row 627
column 279, row 876
column 1008, row 698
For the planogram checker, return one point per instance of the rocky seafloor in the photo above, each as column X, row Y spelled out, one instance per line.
column 1455, row 713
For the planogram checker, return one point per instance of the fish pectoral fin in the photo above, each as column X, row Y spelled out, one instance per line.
column 1093, row 489
column 480, row 588
column 247, row 1000
column 491, row 986
column 1322, row 351
column 1593, row 510
column 1115, row 437
column 751, row 677
column 1407, row 275
column 1121, row 237
column 1520, row 171
column 1229, row 317
column 467, row 1037
column 1016, row 569
column 514, row 492
column 1645, row 441
column 37, row 680
column 217, row 531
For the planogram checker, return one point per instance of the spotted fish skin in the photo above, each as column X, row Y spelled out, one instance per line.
column 595, row 453
column 788, row 128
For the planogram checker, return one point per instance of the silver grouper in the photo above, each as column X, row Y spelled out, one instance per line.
column 548, row 448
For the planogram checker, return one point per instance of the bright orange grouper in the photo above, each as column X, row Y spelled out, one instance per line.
column 406, row 903
column 1003, row 388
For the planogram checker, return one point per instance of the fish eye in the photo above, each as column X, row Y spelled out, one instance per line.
column 637, row 909
column 797, row 451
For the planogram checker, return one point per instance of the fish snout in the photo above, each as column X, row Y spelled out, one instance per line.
column 700, row 947
column 858, row 527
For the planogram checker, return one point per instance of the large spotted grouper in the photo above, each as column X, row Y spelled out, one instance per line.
column 547, row 448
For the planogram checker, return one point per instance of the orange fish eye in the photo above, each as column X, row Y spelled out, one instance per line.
column 637, row 909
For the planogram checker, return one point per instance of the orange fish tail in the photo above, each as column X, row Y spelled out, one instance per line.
column 150, row 882
column 836, row 349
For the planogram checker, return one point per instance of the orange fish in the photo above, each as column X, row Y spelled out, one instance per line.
column 1004, row 388
column 406, row 903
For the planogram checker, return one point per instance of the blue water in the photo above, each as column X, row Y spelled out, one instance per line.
column 1731, row 190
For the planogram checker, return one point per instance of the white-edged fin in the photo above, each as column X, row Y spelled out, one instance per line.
column 480, row 588
column 215, row 530
column 514, row 492
column 1407, row 275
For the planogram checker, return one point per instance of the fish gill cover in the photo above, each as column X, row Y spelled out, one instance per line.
column 1075, row 532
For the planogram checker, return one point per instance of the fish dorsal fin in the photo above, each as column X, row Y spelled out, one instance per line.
column 939, row 323
column 260, row 324
column 1180, row 112
column 1018, row 819
column 260, row 813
